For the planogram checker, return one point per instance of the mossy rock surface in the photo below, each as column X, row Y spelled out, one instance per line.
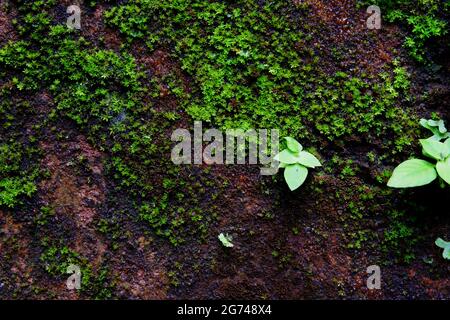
column 86, row 176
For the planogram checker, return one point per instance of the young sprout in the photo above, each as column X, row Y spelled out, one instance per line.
column 437, row 127
column 444, row 245
column 417, row 172
column 226, row 239
column 296, row 162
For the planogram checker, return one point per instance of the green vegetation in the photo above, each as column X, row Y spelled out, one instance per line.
column 444, row 245
column 226, row 240
column 57, row 258
column 296, row 162
column 400, row 238
column 437, row 127
column 423, row 18
column 16, row 181
column 103, row 93
column 416, row 172
column 44, row 215
column 253, row 67
column 162, row 64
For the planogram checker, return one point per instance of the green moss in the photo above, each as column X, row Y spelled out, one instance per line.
column 57, row 258
column 252, row 64
column 44, row 215
column 425, row 20
column 252, row 68
column 17, row 180
column 400, row 237
column 102, row 92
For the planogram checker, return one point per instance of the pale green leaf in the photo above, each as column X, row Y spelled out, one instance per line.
column 226, row 239
column 446, row 253
column 295, row 175
column 434, row 138
column 293, row 145
column 444, row 245
column 443, row 169
column 424, row 123
column 412, row 173
column 434, row 149
column 447, row 143
column 433, row 123
column 437, row 127
column 286, row 156
column 308, row 160
column 442, row 128
column 441, row 243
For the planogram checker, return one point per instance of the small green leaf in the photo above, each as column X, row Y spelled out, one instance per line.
column 226, row 240
column 293, row 145
column 286, row 156
column 434, row 138
column 446, row 253
column 433, row 123
column 308, row 160
column 434, row 149
column 443, row 169
column 412, row 173
column 441, row 243
column 424, row 123
column 447, row 143
column 442, row 128
column 436, row 127
column 295, row 175
column 444, row 245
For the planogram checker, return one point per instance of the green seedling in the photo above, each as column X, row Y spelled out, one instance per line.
column 437, row 127
column 296, row 162
column 226, row 239
column 444, row 245
column 417, row 172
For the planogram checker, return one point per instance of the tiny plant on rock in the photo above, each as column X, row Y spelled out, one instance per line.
column 417, row 172
column 437, row 127
column 296, row 162
column 226, row 240
column 444, row 245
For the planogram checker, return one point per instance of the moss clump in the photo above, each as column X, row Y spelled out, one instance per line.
column 57, row 258
column 104, row 94
column 426, row 21
column 254, row 67
column 18, row 169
